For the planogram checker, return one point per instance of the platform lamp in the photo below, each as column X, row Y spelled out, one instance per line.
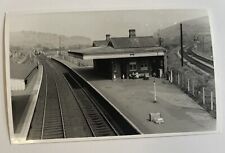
column 154, row 86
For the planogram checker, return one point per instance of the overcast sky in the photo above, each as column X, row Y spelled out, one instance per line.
column 96, row 24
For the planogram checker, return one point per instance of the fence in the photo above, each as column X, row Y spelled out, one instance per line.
column 69, row 59
column 76, row 61
column 203, row 95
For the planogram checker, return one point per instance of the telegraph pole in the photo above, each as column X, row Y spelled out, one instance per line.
column 181, row 46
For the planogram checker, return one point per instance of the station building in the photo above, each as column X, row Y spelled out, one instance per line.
column 122, row 57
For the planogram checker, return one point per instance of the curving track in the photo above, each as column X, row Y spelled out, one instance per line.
column 208, row 61
column 191, row 57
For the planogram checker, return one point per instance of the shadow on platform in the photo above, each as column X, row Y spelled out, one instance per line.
column 91, row 75
column 19, row 104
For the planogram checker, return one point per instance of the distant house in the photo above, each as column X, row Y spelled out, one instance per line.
column 122, row 57
column 20, row 75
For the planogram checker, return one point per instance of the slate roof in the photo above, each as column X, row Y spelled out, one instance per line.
column 133, row 42
column 121, row 46
column 20, row 71
column 98, row 43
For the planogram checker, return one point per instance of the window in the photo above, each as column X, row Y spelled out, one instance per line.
column 133, row 66
column 144, row 66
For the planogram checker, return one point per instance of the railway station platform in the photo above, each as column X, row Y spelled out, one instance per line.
column 134, row 98
column 23, row 105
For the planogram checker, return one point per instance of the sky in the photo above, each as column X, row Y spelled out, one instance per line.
column 96, row 24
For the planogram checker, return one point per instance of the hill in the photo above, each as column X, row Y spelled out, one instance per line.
column 30, row 39
column 198, row 27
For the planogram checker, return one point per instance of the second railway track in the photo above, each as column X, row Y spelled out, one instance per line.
column 206, row 60
column 188, row 56
column 96, row 120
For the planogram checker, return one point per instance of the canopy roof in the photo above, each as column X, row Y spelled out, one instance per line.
column 106, row 52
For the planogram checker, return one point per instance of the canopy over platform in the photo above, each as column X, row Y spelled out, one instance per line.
column 107, row 52
column 121, row 47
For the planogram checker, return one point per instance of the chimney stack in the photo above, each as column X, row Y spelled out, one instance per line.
column 107, row 37
column 132, row 33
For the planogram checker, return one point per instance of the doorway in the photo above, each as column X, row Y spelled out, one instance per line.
column 123, row 69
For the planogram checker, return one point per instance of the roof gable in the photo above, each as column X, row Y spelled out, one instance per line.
column 133, row 42
column 98, row 43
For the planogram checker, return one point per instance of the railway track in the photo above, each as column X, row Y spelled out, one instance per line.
column 204, row 67
column 48, row 118
column 112, row 119
column 95, row 118
column 47, row 122
column 98, row 123
column 53, row 123
column 208, row 61
column 52, row 115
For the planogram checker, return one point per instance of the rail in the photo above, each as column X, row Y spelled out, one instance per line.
column 199, row 64
column 96, row 120
column 113, row 115
column 48, row 121
column 200, row 57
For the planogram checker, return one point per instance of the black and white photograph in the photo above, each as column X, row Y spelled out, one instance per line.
column 98, row 75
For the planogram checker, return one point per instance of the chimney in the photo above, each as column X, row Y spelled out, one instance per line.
column 107, row 37
column 132, row 33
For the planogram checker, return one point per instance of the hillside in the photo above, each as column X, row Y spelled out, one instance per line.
column 30, row 39
column 199, row 26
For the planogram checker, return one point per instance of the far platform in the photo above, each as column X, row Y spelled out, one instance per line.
column 134, row 98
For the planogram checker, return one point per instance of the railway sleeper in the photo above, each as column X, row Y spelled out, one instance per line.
column 53, row 131
column 53, row 125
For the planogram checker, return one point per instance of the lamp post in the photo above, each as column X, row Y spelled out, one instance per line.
column 154, row 86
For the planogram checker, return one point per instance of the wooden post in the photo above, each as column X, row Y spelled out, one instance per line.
column 188, row 85
column 154, row 85
column 178, row 78
column 193, row 88
column 211, row 101
column 171, row 76
column 203, row 95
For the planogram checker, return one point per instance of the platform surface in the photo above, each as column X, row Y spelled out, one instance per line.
column 134, row 98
